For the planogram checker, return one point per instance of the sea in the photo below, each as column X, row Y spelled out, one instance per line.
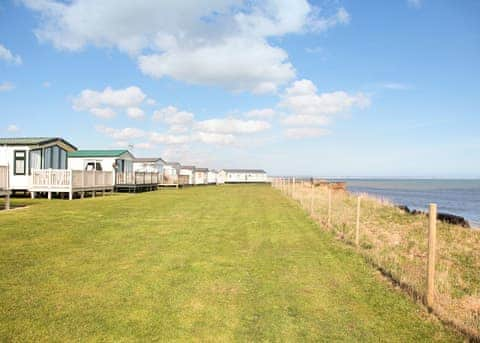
column 458, row 197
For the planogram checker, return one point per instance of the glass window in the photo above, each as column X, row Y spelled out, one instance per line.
column 120, row 166
column 128, row 166
column 47, row 160
column 63, row 159
column 19, row 162
column 55, row 157
column 35, row 159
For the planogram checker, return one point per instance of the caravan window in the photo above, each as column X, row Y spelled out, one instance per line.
column 35, row 159
column 19, row 162
column 63, row 159
column 47, row 158
column 120, row 166
column 54, row 158
column 93, row 166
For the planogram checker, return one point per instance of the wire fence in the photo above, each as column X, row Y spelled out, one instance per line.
column 398, row 243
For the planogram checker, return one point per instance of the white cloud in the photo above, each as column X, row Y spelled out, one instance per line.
column 178, row 129
column 341, row 17
column 236, row 64
column 300, row 120
column 232, row 126
column 214, row 42
column 172, row 116
column 12, row 128
column 161, row 138
column 306, row 106
column 150, row 101
column 414, row 3
column 306, row 132
column 315, row 50
column 135, row 113
column 121, row 134
column 265, row 113
column 6, row 86
column 123, row 98
column 103, row 103
column 105, row 112
column 396, row 86
column 214, row 138
column 47, row 84
column 8, row 57
column 143, row 146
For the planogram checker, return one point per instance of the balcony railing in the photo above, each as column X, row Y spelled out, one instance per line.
column 138, row 178
column 69, row 180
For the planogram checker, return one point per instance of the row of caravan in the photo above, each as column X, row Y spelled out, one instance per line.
column 53, row 165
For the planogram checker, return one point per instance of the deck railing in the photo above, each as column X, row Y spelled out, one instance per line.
column 138, row 178
column 170, row 179
column 65, row 179
column 4, row 184
column 91, row 178
column 183, row 179
column 51, row 179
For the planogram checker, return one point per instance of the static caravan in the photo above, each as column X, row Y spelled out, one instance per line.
column 212, row 177
column 201, row 176
column 188, row 171
column 171, row 171
column 221, row 177
column 120, row 163
column 148, row 164
column 244, row 176
column 23, row 156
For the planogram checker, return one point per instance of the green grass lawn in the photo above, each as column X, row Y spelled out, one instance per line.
column 208, row 263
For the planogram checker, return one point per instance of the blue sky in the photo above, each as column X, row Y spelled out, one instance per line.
column 326, row 88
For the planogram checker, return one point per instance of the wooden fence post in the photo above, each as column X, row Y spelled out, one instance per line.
column 357, row 228
column 432, row 242
column 293, row 188
column 329, row 206
column 7, row 200
column 312, row 193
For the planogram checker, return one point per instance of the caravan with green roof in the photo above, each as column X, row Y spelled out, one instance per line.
column 119, row 162
column 107, row 160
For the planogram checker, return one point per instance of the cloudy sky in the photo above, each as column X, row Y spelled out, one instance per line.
column 326, row 88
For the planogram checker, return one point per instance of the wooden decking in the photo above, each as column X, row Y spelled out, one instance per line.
column 137, row 181
column 70, row 181
column 176, row 181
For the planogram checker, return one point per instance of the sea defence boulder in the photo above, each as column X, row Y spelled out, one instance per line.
column 453, row 219
column 444, row 217
column 335, row 186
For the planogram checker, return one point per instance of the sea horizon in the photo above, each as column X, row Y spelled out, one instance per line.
column 380, row 177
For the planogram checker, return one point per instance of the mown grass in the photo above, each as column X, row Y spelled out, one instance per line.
column 228, row 263
column 397, row 242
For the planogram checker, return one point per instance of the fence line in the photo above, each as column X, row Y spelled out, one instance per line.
column 432, row 243
column 404, row 246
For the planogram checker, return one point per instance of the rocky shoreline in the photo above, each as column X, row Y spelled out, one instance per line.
column 444, row 217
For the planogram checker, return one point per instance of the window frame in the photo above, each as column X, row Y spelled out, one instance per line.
column 47, row 151
column 30, row 159
column 50, row 163
column 20, row 159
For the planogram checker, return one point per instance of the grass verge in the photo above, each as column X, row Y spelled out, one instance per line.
column 207, row 263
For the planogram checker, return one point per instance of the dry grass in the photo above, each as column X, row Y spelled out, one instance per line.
column 396, row 242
